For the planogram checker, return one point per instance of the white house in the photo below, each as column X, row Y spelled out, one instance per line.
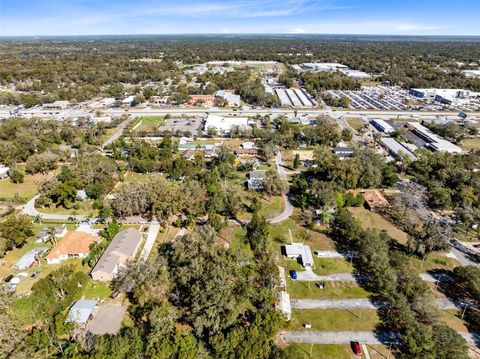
column 302, row 251
column 232, row 99
column 4, row 171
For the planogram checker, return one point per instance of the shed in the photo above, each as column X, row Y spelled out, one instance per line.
column 81, row 311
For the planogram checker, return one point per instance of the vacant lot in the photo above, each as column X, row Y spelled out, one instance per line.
column 355, row 123
column 471, row 143
column 149, row 124
column 371, row 220
column 340, row 351
column 334, row 320
column 25, row 190
column 332, row 290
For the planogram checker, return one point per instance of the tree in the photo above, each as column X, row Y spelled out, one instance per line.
column 14, row 231
column 272, row 183
column 16, row 175
column 296, row 161
column 448, row 343
column 346, row 135
column 41, row 163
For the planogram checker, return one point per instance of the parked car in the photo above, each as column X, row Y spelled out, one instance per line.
column 8, row 278
column 34, row 274
column 357, row 348
column 293, row 274
column 11, row 287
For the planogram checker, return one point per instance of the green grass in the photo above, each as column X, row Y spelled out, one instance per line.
column 332, row 290
column 96, row 290
column 334, row 320
column 327, row 266
column 356, row 123
column 149, row 124
column 435, row 261
column 471, row 143
column 324, row 351
column 25, row 190
column 85, row 208
column 371, row 220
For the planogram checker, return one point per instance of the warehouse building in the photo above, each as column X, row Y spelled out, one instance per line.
column 397, row 149
column 434, row 141
column 223, row 125
column 382, row 126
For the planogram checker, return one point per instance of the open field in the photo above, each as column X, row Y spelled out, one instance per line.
column 25, row 190
column 452, row 319
column 471, row 144
column 332, row 351
column 355, row 123
column 332, row 290
column 435, row 261
column 334, row 320
column 148, row 124
column 373, row 220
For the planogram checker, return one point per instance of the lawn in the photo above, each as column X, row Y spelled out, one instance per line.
column 435, row 261
column 355, row 123
column 96, row 290
column 235, row 237
column 332, row 290
column 85, row 208
column 327, row 266
column 333, row 320
column 452, row 319
column 333, row 351
column 25, row 190
column 371, row 220
column 148, row 124
column 471, row 143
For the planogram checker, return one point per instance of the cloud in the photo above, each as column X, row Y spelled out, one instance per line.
column 297, row 30
column 416, row 27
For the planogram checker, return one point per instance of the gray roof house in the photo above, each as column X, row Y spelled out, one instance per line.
column 81, row 311
column 122, row 248
column 255, row 180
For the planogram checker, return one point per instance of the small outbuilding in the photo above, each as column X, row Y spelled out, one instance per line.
column 302, row 252
column 81, row 312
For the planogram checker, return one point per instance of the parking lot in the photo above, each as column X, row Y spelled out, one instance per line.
column 395, row 98
column 191, row 125
column 107, row 319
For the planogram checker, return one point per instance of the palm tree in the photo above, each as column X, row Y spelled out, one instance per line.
column 52, row 238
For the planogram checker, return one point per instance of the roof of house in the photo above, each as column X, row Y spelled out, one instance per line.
column 375, row 199
column 257, row 174
column 124, row 244
column 73, row 243
column 29, row 257
column 300, row 250
column 80, row 311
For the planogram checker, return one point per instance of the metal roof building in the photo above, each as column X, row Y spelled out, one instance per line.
column 80, row 312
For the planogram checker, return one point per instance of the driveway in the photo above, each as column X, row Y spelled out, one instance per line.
column 153, row 230
column 287, row 212
column 313, row 337
column 363, row 303
column 309, row 275
column 30, row 210
column 107, row 319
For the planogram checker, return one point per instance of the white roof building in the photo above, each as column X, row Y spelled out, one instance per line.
column 472, row 73
column 80, row 312
column 284, row 304
column 128, row 100
column 225, row 124
column 356, row 74
column 4, row 171
column 396, row 149
column 435, row 142
column 382, row 126
column 302, row 251
column 232, row 99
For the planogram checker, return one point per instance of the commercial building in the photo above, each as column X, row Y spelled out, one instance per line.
column 302, row 252
column 73, row 245
column 382, row 126
column 356, row 74
column 295, row 98
column 202, row 100
column 434, row 141
column 81, row 312
column 57, row 105
column 396, row 149
column 445, row 96
column 222, row 124
column 472, row 73
column 231, row 99
column 343, row 152
column 123, row 248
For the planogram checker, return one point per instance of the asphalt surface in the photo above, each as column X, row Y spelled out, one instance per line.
column 287, row 212
column 364, row 303
column 153, row 230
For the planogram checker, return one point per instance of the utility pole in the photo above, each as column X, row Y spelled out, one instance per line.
column 464, row 309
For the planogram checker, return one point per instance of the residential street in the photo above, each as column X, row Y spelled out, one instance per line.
column 364, row 303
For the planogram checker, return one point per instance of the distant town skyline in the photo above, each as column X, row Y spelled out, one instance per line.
column 116, row 17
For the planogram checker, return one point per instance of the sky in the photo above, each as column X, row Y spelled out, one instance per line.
column 117, row 17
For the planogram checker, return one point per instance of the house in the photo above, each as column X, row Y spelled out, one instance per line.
column 189, row 154
column 81, row 194
column 375, row 201
column 128, row 100
column 246, row 152
column 81, row 311
column 255, row 180
column 343, row 152
column 29, row 259
column 302, row 252
column 98, row 119
column 123, row 248
column 59, row 232
column 57, row 105
column 73, row 245
column 4, row 171
column 248, row 145
column 201, row 100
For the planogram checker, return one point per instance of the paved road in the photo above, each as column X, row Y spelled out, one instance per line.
column 335, row 254
column 30, row 210
column 153, row 230
column 364, row 303
column 117, row 134
column 309, row 276
column 287, row 212
column 462, row 258
column 313, row 337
